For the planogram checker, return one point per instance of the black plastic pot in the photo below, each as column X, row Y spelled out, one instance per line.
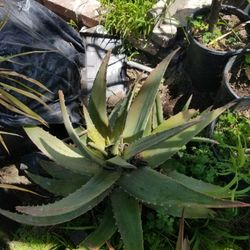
column 226, row 92
column 204, row 65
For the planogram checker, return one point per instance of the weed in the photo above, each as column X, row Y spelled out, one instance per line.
column 128, row 18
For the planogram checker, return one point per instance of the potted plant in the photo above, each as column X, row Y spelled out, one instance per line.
column 236, row 79
column 215, row 33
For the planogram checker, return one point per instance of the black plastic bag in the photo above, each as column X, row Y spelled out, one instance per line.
column 56, row 61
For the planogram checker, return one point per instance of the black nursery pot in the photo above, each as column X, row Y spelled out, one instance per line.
column 226, row 93
column 203, row 65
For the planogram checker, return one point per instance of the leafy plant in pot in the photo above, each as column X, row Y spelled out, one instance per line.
column 117, row 159
column 215, row 33
column 236, row 79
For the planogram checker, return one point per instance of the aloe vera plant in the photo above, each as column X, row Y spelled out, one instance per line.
column 116, row 158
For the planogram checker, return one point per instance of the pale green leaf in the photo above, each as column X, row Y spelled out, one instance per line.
column 103, row 233
column 97, row 100
column 154, row 139
column 97, row 185
column 58, row 187
column 95, row 156
column 142, row 105
column 53, row 220
column 128, row 218
column 61, row 153
column 158, row 154
column 93, row 133
column 117, row 161
column 149, row 186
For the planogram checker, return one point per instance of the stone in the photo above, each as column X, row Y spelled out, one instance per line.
column 84, row 12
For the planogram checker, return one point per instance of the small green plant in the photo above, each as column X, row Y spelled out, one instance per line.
column 232, row 133
column 247, row 58
column 116, row 160
column 27, row 238
column 128, row 18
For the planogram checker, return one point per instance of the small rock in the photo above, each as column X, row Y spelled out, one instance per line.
column 10, row 175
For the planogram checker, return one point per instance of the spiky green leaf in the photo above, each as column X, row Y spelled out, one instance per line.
column 97, row 100
column 154, row 139
column 191, row 213
column 60, row 152
column 118, row 116
column 151, row 187
column 58, row 187
column 103, row 233
column 95, row 156
column 176, row 120
column 58, row 172
column 92, row 189
column 93, row 133
column 201, row 186
column 128, row 218
column 158, row 154
column 117, row 161
column 53, row 220
column 142, row 105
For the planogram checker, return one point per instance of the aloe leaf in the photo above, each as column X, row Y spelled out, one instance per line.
column 158, row 154
column 201, row 186
column 128, row 218
column 73, row 135
column 176, row 120
column 93, row 133
column 159, row 109
column 58, row 172
column 117, row 161
column 60, row 152
column 154, row 139
column 190, row 213
column 118, row 116
column 103, row 233
column 53, row 220
column 142, row 105
column 187, row 104
column 89, row 191
column 149, row 186
column 58, row 187
column 18, row 104
column 97, row 101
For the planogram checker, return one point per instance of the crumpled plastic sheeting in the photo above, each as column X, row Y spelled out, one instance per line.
column 32, row 27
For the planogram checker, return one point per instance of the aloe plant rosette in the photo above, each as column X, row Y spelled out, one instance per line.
column 116, row 159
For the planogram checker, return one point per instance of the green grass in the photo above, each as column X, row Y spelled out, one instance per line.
column 128, row 18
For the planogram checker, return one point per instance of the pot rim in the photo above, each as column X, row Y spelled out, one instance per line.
column 212, row 51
